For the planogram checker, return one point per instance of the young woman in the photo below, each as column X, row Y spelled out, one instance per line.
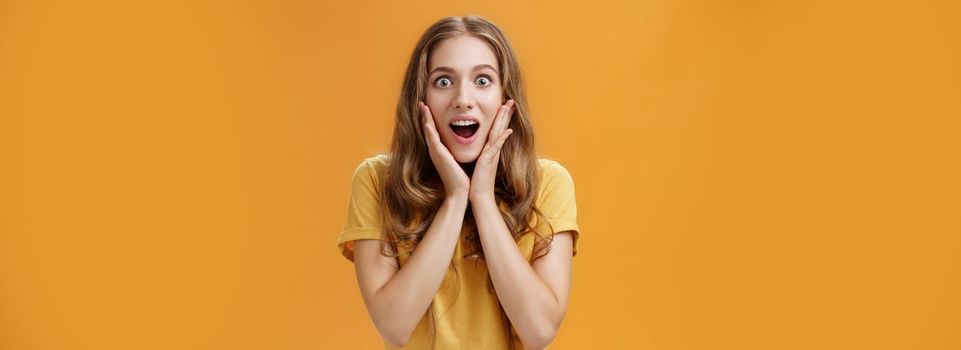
column 460, row 236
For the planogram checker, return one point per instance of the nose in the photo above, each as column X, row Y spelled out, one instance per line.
column 464, row 100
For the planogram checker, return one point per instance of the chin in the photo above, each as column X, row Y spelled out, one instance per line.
column 465, row 158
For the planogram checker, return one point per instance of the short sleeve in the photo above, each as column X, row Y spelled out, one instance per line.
column 363, row 210
column 557, row 201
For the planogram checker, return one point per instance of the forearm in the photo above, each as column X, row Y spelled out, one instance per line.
column 402, row 301
column 529, row 303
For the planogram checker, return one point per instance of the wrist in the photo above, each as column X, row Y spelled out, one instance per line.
column 457, row 196
column 483, row 199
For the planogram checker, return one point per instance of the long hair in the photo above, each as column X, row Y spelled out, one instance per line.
column 413, row 192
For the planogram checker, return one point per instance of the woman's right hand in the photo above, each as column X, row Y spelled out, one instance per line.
column 456, row 181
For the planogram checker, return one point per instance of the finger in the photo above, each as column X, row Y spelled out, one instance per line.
column 509, row 114
column 425, row 113
column 434, row 137
column 503, row 138
column 492, row 134
column 497, row 129
column 429, row 131
column 428, row 120
column 505, row 117
column 493, row 150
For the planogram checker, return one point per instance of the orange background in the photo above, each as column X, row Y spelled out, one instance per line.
column 749, row 174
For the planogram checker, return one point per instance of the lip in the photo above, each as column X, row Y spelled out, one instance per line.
column 458, row 138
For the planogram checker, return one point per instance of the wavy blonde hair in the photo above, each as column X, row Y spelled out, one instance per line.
column 413, row 192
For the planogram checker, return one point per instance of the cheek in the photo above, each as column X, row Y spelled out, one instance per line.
column 437, row 106
column 487, row 130
column 491, row 96
column 490, row 108
column 431, row 99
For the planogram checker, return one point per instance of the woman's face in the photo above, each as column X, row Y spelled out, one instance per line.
column 463, row 88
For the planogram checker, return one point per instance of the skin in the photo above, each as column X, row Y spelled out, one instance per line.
column 534, row 295
column 463, row 79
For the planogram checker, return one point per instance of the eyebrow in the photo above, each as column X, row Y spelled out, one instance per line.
column 451, row 70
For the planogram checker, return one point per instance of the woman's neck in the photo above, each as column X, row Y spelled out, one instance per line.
column 468, row 167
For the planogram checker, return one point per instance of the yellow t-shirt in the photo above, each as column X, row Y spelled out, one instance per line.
column 466, row 314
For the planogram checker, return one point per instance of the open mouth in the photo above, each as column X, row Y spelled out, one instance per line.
column 465, row 128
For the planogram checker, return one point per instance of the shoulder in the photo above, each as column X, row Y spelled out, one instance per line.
column 375, row 164
column 371, row 170
column 556, row 182
column 551, row 171
column 556, row 198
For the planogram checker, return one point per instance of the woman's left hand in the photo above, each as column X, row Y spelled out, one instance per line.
column 485, row 170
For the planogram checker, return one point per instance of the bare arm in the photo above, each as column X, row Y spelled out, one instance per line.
column 397, row 298
column 534, row 297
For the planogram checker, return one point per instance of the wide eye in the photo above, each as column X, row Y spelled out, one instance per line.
column 483, row 80
column 443, row 82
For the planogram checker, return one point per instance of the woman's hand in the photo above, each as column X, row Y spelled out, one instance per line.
column 485, row 171
column 456, row 182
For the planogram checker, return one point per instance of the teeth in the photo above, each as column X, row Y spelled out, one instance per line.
column 463, row 122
